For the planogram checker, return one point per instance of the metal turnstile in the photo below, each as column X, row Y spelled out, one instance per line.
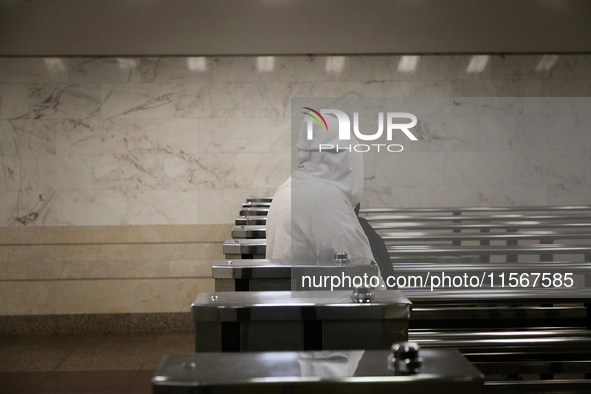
column 283, row 320
column 437, row 371
column 280, row 275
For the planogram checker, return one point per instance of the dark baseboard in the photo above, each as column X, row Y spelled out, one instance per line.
column 117, row 323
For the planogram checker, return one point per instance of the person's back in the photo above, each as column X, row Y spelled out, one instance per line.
column 312, row 214
column 303, row 227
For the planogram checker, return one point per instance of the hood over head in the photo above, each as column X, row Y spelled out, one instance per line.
column 342, row 169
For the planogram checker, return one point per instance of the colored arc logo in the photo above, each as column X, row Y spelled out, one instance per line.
column 315, row 118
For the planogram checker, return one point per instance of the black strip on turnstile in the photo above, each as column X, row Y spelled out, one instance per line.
column 230, row 336
column 312, row 329
column 242, row 285
column 313, row 335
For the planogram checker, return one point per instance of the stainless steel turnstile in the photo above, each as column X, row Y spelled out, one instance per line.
column 278, row 275
column 353, row 371
column 282, row 320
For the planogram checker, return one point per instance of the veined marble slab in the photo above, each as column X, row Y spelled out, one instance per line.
column 163, row 207
column 14, row 101
column 37, row 208
column 479, row 168
column 8, row 208
column 104, row 69
column 92, row 136
column 56, row 173
column 10, row 173
column 171, row 136
column 64, row 101
column 33, row 70
column 136, row 100
column 550, row 167
column 92, row 208
column 176, row 69
column 23, row 137
column 262, row 170
column 234, row 135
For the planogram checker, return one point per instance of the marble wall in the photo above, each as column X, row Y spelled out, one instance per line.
column 181, row 140
column 90, row 146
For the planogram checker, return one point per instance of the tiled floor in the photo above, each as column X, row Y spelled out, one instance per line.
column 110, row 363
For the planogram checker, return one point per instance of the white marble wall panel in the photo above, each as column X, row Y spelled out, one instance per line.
column 526, row 67
column 217, row 100
column 550, row 167
column 268, row 170
column 487, row 106
column 279, row 135
column 193, row 100
column 154, row 128
column 207, row 100
column 8, row 208
column 163, row 207
column 37, row 208
column 554, row 132
column 171, row 136
column 454, row 67
column 19, row 137
column 33, row 70
column 557, row 88
column 321, row 89
column 56, row 173
column 565, row 194
column 91, row 136
column 479, row 168
column 406, row 169
column 317, row 68
column 104, row 69
column 576, row 66
column 91, row 208
column 127, row 171
column 489, row 88
column 427, row 89
column 385, row 196
column 10, row 173
column 136, row 100
column 251, row 69
column 444, row 196
column 266, row 99
column 192, row 171
column 64, row 101
column 500, row 132
column 444, row 133
column 176, row 69
column 234, row 135
column 380, row 68
column 556, row 105
column 14, row 101
column 517, row 195
column 380, row 89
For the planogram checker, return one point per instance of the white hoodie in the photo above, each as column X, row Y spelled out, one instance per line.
column 312, row 213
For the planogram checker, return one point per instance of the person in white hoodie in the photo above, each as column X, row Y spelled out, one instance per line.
column 312, row 214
